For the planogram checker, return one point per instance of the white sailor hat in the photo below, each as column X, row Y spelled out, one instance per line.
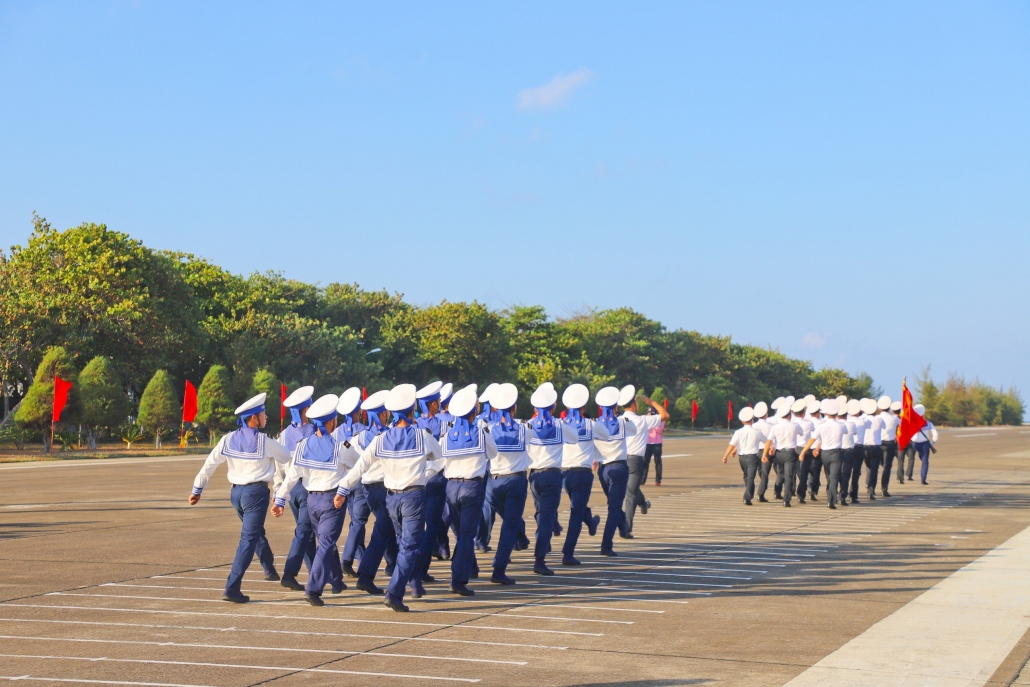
column 446, row 391
column 376, row 402
column 798, row 406
column 401, row 398
column 783, row 411
column 777, row 403
column 746, row 414
column 627, row 394
column 548, row 384
column 842, row 401
column 884, row 403
column 575, row 396
column 789, row 401
column 252, row 406
column 430, row 392
column 463, row 401
column 809, row 398
column 485, row 396
column 349, row 401
column 324, row 409
column 761, row 409
column 504, row 396
column 854, row 407
column 896, row 406
column 868, row 406
column 607, row 397
column 920, row 409
column 829, row 406
column 544, row 397
column 813, row 407
column 300, row 398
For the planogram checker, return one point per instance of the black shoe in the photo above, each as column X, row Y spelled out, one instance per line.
column 368, row 587
column 786, row 504
column 427, row 578
column 388, row 571
column 627, row 535
column 271, row 576
column 519, row 546
column 461, row 590
column 762, row 499
column 338, row 589
column 886, row 494
column 417, row 591
column 235, row 597
column 474, row 575
column 540, row 568
column 395, row 604
column 557, row 529
column 644, row 507
column 501, row 578
column 833, row 507
column 569, row 560
column 843, row 502
column 592, row 525
column 925, row 483
column 801, row 500
column 872, row 496
column 348, row 569
column 901, row 481
column 314, row 599
column 747, row 503
column 609, row 552
column 485, row 548
column 292, row 583
column 813, row 498
column 778, row 497
column 854, row 499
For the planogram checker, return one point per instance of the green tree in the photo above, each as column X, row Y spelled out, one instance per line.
column 104, row 402
column 37, row 407
column 159, row 409
column 265, row 382
column 215, row 407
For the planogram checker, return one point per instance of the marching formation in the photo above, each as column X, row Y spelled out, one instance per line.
column 806, row 440
column 458, row 463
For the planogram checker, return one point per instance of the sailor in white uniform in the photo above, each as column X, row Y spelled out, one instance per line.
column 781, row 446
column 636, row 447
column 613, row 472
column 302, row 550
column 348, row 428
column 507, row 485
column 872, row 444
column 747, row 443
column 578, row 463
column 827, row 440
column 432, row 421
column 762, row 424
column 891, row 421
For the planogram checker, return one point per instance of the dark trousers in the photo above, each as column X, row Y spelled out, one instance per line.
column 302, row 550
column 847, row 465
column 910, row 461
column 832, row 460
column 614, row 478
column 486, row 526
column 787, row 460
column 250, row 501
column 577, row 482
column 408, row 516
column 357, row 508
column 923, row 449
column 802, row 470
column 436, row 499
column 856, row 470
column 780, row 478
column 383, row 542
column 546, row 488
column 653, row 451
column 465, row 501
column 634, row 495
column 814, row 473
column 507, row 498
column 749, row 466
column 327, row 524
column 873, row 457
column 763, row 473
column 890, row 452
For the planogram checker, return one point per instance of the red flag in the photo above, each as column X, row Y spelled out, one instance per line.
column 189, row 403
column 61, row 389
column 665, row 404
column 693, row 410
column 911, row 421
column 729, row 414
column 282, row 403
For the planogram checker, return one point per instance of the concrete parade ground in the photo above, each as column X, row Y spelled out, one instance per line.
column 110, row 578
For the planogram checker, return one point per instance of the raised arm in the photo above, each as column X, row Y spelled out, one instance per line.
column 214, row 459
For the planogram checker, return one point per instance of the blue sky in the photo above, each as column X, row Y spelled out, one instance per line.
column 800, row 175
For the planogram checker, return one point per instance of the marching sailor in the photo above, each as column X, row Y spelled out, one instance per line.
column 349, row 427
column 763, row 425
column 507, row 484
column 302, row 550
column 443, row 550
column 431, row 421
column 858, row 427
column 577, row 463
column 613, row 472
column 922, row 441
column 747, row 443
column 827, row 440
column 636, row 447
column 891, row 421
column 251, row 458
column 778, row 466
column 816, row 417
column 872, row 444
column 802, row 410
column 487, row 415
column 782, row 444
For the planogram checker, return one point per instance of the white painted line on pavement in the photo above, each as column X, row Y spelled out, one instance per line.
column 36, row 678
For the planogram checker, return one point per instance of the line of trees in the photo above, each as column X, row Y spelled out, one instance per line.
column 960, row 403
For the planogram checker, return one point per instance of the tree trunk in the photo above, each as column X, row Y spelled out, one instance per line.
column 157, row 439
column 91, row 438
column 46, row 442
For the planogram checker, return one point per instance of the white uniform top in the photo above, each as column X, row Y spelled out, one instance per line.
column 784, row 435
column 763, row 426
column 322, row 478
column 748, row 440
column 244, row 468
column 468, row 463
column 829, row 435
column 401, row 468
column 509, row 460
column 807, row 427
column 374, row 473
column 873, row 431
column 548, row 454
column 890, row 426
column 859, row 425
column 636, row 445
column 612, row 447
column 848, row 440
column 583, row 454
column 928, row 432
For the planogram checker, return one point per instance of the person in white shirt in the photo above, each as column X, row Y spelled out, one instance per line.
column 613, row 472
column 636, row 448
column 787, row 403
column 467, row 447
column 827, row 440
column 429, row 398
column 349, row 428
column 578, row 461
column 747, row 444
column 891, row 422
column 872, row 444
column 858, row 426
column 923, row 441
column 815, row 468
column 302, row 550
column 320, row 463
column 507, row 485
column 781, row 445
column 763, row 425
column 251, row 457
column 803, row 419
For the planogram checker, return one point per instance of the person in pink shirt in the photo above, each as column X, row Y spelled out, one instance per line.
column 654, row 449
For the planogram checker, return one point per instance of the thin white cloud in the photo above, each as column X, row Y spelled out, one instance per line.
column 554, row 92
column 813, row 340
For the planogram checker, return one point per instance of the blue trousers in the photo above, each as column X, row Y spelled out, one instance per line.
column 465, row 500
column 578, row 484
column 357, row 507
column 251, row 504
column 436, row 499
column 327, row 524
column 923, row 449
column 546, row 488
column 303, row 547
column 614, row 478
column 408, row 515
column 383, row 541
column 506, row 497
